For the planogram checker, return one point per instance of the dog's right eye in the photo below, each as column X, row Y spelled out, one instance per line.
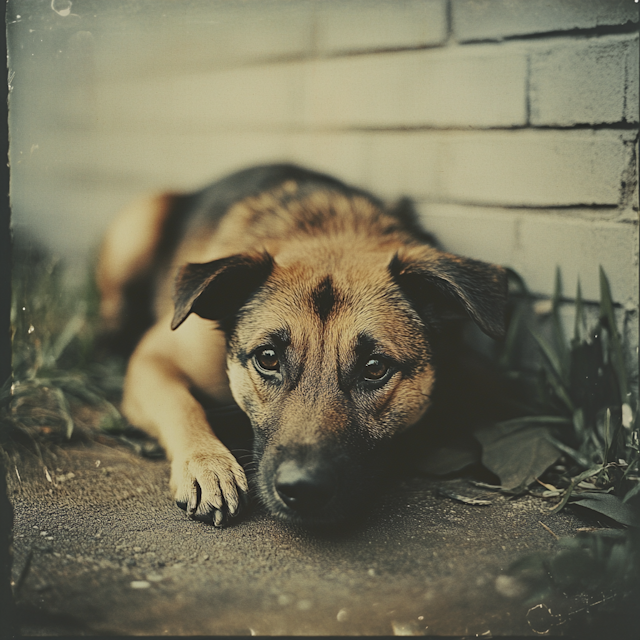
column 267, row 359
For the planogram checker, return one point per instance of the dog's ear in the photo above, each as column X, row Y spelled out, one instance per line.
column 455, row 286
column 215, row 290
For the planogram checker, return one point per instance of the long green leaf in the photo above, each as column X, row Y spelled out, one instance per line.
column 533, row 420
column 580, row 324
column 559, row 384
column 607, row 314
column 558, row 329
column 572, row 453
column 610, row 506
column 513, row 338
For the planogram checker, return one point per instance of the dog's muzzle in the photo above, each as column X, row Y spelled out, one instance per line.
column 304, row 488
column 321, row 484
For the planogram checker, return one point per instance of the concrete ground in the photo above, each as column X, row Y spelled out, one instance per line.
column 100, row 549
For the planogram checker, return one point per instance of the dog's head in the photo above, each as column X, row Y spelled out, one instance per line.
column 333, row 359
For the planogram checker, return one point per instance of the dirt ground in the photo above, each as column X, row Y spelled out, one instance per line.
column 100, row 549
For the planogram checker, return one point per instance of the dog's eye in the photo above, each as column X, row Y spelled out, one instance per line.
column 267, row 359
column 375, row 369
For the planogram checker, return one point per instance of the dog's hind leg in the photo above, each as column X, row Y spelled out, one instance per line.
column 126, row 268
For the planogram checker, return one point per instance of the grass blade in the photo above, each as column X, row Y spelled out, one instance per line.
column 65, row 410
column 574, row 481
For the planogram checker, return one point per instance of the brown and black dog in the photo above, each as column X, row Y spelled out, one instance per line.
column 326, row 316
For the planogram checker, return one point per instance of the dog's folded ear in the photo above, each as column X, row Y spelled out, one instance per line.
column 431, row 278
column 217, row 289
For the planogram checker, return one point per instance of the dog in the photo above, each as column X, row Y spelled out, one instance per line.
column 328, row 317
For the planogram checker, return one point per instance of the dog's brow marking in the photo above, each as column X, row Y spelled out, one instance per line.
column 365, row 344
column 324, row 299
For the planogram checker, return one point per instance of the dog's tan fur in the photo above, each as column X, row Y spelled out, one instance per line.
column 324, row 270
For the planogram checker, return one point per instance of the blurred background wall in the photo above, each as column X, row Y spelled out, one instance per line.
column 513, row 124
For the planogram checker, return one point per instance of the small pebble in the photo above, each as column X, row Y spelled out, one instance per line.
column 140, row 584
column 343, row 614
column 154, row 577
column 509, row 586
column 405, row 629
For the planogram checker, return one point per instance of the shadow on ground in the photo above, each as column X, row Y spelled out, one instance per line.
column 99, row 548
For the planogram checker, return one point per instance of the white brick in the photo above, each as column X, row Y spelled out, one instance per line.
column 632, row 81
column 534, row 243
column 507, row 168
column 459, row 87
column 583, row 82
column 405, row 164
column 259, row 96
column 534, row 168
column 202, row 36
column 84, row 179
column 495, row 19
column 357, row 25
column 343, row 155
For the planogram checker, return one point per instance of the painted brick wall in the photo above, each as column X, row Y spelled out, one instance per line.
column 513, row 124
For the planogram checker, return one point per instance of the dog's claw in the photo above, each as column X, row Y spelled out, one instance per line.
column 194, row 499
column 210, row 488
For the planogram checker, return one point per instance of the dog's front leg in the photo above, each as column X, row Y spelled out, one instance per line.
column 206, row 479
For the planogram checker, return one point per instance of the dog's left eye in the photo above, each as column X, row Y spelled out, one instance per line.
column 267, row 359
column 375, row 369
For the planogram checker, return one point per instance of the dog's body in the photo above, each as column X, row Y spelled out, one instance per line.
column 322, row 314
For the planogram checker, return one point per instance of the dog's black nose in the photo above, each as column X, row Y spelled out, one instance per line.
column 302, row 487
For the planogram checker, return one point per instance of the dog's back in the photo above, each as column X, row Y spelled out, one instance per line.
column 243, row 211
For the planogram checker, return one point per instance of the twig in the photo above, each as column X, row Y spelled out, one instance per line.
column 447, row 493
column 485, row 485
column 544, row 526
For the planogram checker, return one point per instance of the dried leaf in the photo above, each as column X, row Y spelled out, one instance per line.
column 516, row 456
column 447, row 493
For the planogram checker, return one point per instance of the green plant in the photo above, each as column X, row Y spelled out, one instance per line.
column 581, row 406
column 54, row 374
column 587, row 384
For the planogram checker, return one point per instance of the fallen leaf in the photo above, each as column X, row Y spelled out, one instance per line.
column 516, row 455
column 608, row 505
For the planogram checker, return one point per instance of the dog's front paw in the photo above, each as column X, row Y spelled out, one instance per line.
column 209, row 484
